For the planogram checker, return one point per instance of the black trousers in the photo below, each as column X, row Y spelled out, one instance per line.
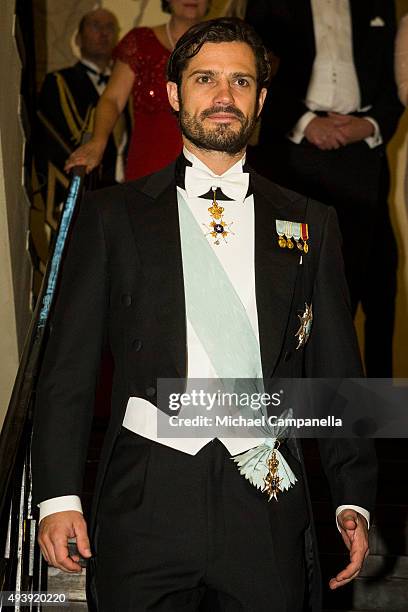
column 183, row 533
column 355, row 181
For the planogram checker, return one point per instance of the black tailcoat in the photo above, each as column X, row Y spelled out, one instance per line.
column 123, row 277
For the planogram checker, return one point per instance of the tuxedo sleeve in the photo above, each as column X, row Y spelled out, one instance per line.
column 66, row 387
column 332, row 352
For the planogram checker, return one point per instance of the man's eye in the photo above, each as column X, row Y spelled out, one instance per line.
column 243, row 82
column 203, row 79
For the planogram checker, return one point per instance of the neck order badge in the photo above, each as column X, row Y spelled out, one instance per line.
column 218, row 228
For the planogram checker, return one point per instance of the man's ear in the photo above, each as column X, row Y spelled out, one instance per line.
column 172, row 93
column 78, row 40
column 261, row 99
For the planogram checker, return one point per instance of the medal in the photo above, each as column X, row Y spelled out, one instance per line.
column 280, row 229
column 306, row 320
column 291, row 233
column 304, row 230
column 218, row 228
column 266, row 468
column 272, row 481
column 296, row 235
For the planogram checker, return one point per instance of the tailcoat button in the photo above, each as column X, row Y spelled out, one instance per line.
column 137, row 344
column 126, row 299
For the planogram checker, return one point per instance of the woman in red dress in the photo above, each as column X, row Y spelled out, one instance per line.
column 140, row 69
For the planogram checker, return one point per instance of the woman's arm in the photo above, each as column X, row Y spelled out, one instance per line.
column 401, row 60
column 110, row 105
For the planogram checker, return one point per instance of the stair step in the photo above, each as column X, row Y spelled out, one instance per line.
column 71, row 584
column 72, row 607
column 381, row 595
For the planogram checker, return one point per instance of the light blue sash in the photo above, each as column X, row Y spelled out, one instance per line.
column 220, row 321
column 213, row 306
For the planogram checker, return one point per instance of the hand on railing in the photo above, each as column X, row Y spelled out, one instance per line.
column 88, row 155
column 54, row 534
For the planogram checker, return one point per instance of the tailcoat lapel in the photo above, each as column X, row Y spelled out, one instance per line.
column 155, row 225
column 305, row 28
column 360, row 24
column 276, row 271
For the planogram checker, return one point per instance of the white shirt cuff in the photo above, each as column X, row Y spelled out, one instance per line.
column 297, row 133
column 376, row 139
column 358, row 509
column 60, row 504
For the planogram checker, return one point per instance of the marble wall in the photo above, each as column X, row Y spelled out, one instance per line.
column 15, row 268
column 55, row 24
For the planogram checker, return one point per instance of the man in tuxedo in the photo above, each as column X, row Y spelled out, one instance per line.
column 331, row 111
column 185, row 272
column 69, row 96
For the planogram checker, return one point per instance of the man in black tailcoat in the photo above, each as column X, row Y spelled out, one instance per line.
column 174, row 518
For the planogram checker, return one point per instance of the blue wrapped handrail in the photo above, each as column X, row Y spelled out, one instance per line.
column 21, row 566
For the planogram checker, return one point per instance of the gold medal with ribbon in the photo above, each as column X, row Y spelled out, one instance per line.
column 291, row 233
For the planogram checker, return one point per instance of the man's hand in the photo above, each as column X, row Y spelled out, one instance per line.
column 54, row 531
column 88, row 155
column 354, row 532
column 353, row 129
column 324, row 133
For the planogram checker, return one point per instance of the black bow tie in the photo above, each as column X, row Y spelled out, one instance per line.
column 180, row 173
column 103, row 78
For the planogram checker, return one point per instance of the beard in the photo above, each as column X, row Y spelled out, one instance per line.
column 223, row 137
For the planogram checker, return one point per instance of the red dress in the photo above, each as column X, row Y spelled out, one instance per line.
column 156, row 138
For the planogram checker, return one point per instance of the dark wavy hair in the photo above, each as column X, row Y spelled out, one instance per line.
column 226, row 29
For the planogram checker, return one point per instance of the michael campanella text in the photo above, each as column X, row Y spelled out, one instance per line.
column 261, row 421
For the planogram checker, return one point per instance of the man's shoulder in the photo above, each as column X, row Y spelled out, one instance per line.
column 70, row 76
column 65, row 73
column 146, row 187
column 291, row 201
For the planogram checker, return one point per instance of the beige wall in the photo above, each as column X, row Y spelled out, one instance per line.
column 15, row 269
column 397, row 153
column 148, row 12
column 61, row 20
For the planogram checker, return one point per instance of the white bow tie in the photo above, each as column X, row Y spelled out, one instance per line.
column 199, row 182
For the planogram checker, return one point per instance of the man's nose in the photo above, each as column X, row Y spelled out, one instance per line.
column 224, row 94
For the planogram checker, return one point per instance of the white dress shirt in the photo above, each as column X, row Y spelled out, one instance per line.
column 237, row 257
column 333, row 83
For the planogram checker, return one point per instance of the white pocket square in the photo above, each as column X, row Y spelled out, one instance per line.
column 377, row 22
